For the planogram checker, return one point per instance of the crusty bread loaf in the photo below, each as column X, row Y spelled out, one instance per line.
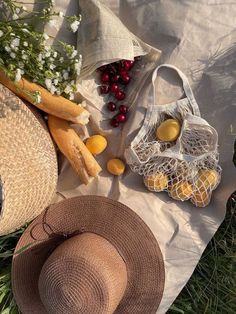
column 52, row 104
column 73, row 148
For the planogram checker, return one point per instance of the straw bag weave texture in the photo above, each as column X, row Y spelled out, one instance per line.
column 28, row 163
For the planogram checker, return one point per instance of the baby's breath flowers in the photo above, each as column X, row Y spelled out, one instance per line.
column 24, row 50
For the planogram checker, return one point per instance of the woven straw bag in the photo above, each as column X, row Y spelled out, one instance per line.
column 28, row 163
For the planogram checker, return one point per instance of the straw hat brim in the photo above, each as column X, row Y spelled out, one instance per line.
column 107, row 218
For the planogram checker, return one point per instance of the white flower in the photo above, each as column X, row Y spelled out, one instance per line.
column 55, row 82
column 52, row 66
column 18, row 75
column 47, row 54
column 53, row 89
column 57, row 74
column 21, row 64
column 15, row 16
column 68, row 89
column 24, row 57
column 25, row 30
column 65, row 75
column 8, row 49
column 15, row 43
column 78, row 65
column 61, row 14
column 40, row 57
column 25, row 44
column 53, row 23
column 71, row 96
column 45, row 36
column 12, row 55
column 74, row 54
column 24, row 9
column 48, row 83
column 61, row 59
column 54, row 54
column 74, row 26
column 1, row 33
column 17, row 10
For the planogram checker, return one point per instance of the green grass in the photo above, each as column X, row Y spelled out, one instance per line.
column 210, row 290
column 212, row 287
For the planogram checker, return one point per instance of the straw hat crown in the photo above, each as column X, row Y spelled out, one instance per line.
column 85, row 274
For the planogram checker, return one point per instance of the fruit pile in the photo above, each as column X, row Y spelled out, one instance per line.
column 114, row 78
column 199, row 192
column 96, row 144
column 179, row 179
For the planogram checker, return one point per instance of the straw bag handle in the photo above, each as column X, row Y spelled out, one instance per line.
column 186, row 87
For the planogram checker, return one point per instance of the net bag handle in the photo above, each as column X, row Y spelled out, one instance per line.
column 186, row 87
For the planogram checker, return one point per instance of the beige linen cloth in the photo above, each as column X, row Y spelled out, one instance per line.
column 198, row 37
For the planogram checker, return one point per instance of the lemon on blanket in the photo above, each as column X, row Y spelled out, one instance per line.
column 181, row 190
column 168, row 131
column 201, row 198
column 96, row 144
column 116, row 166
column 207, row 178
column 157, row 182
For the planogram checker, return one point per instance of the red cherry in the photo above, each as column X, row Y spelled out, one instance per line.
column 111, row 106
column 115, row 78
column 131, row 63
column 123, row 109
column 127, row 64
column 114, row 123
column 114, row 88
column 121, row 118
column 120, row 95
column 126, row 79
column 104, row 89
column 105, row 77
column 123, row 72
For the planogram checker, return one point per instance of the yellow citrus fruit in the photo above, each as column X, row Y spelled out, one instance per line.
column 207, row 178
column 168, row 131
column 116, row 166
column 96, row 144
column 181, row 190
column 157, row 182
column 201, row 198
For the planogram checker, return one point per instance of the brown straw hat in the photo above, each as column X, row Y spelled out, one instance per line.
column 28, row 167
column 88, row 255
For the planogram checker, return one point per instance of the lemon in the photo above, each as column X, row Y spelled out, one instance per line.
column 181, row 190
column 201, row 198
column 168, row 131
column 116, row 166
column 207, row 178
column 96, row 144
column 157, row 182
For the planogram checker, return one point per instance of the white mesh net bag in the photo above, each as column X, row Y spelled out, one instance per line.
column 186, row 165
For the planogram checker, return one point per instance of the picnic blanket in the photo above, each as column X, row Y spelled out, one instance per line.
column 199, row 38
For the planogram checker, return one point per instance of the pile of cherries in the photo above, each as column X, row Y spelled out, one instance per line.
column 114, row 78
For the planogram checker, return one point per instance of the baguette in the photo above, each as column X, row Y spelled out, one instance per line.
column 52, row 104
column 73, row 148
